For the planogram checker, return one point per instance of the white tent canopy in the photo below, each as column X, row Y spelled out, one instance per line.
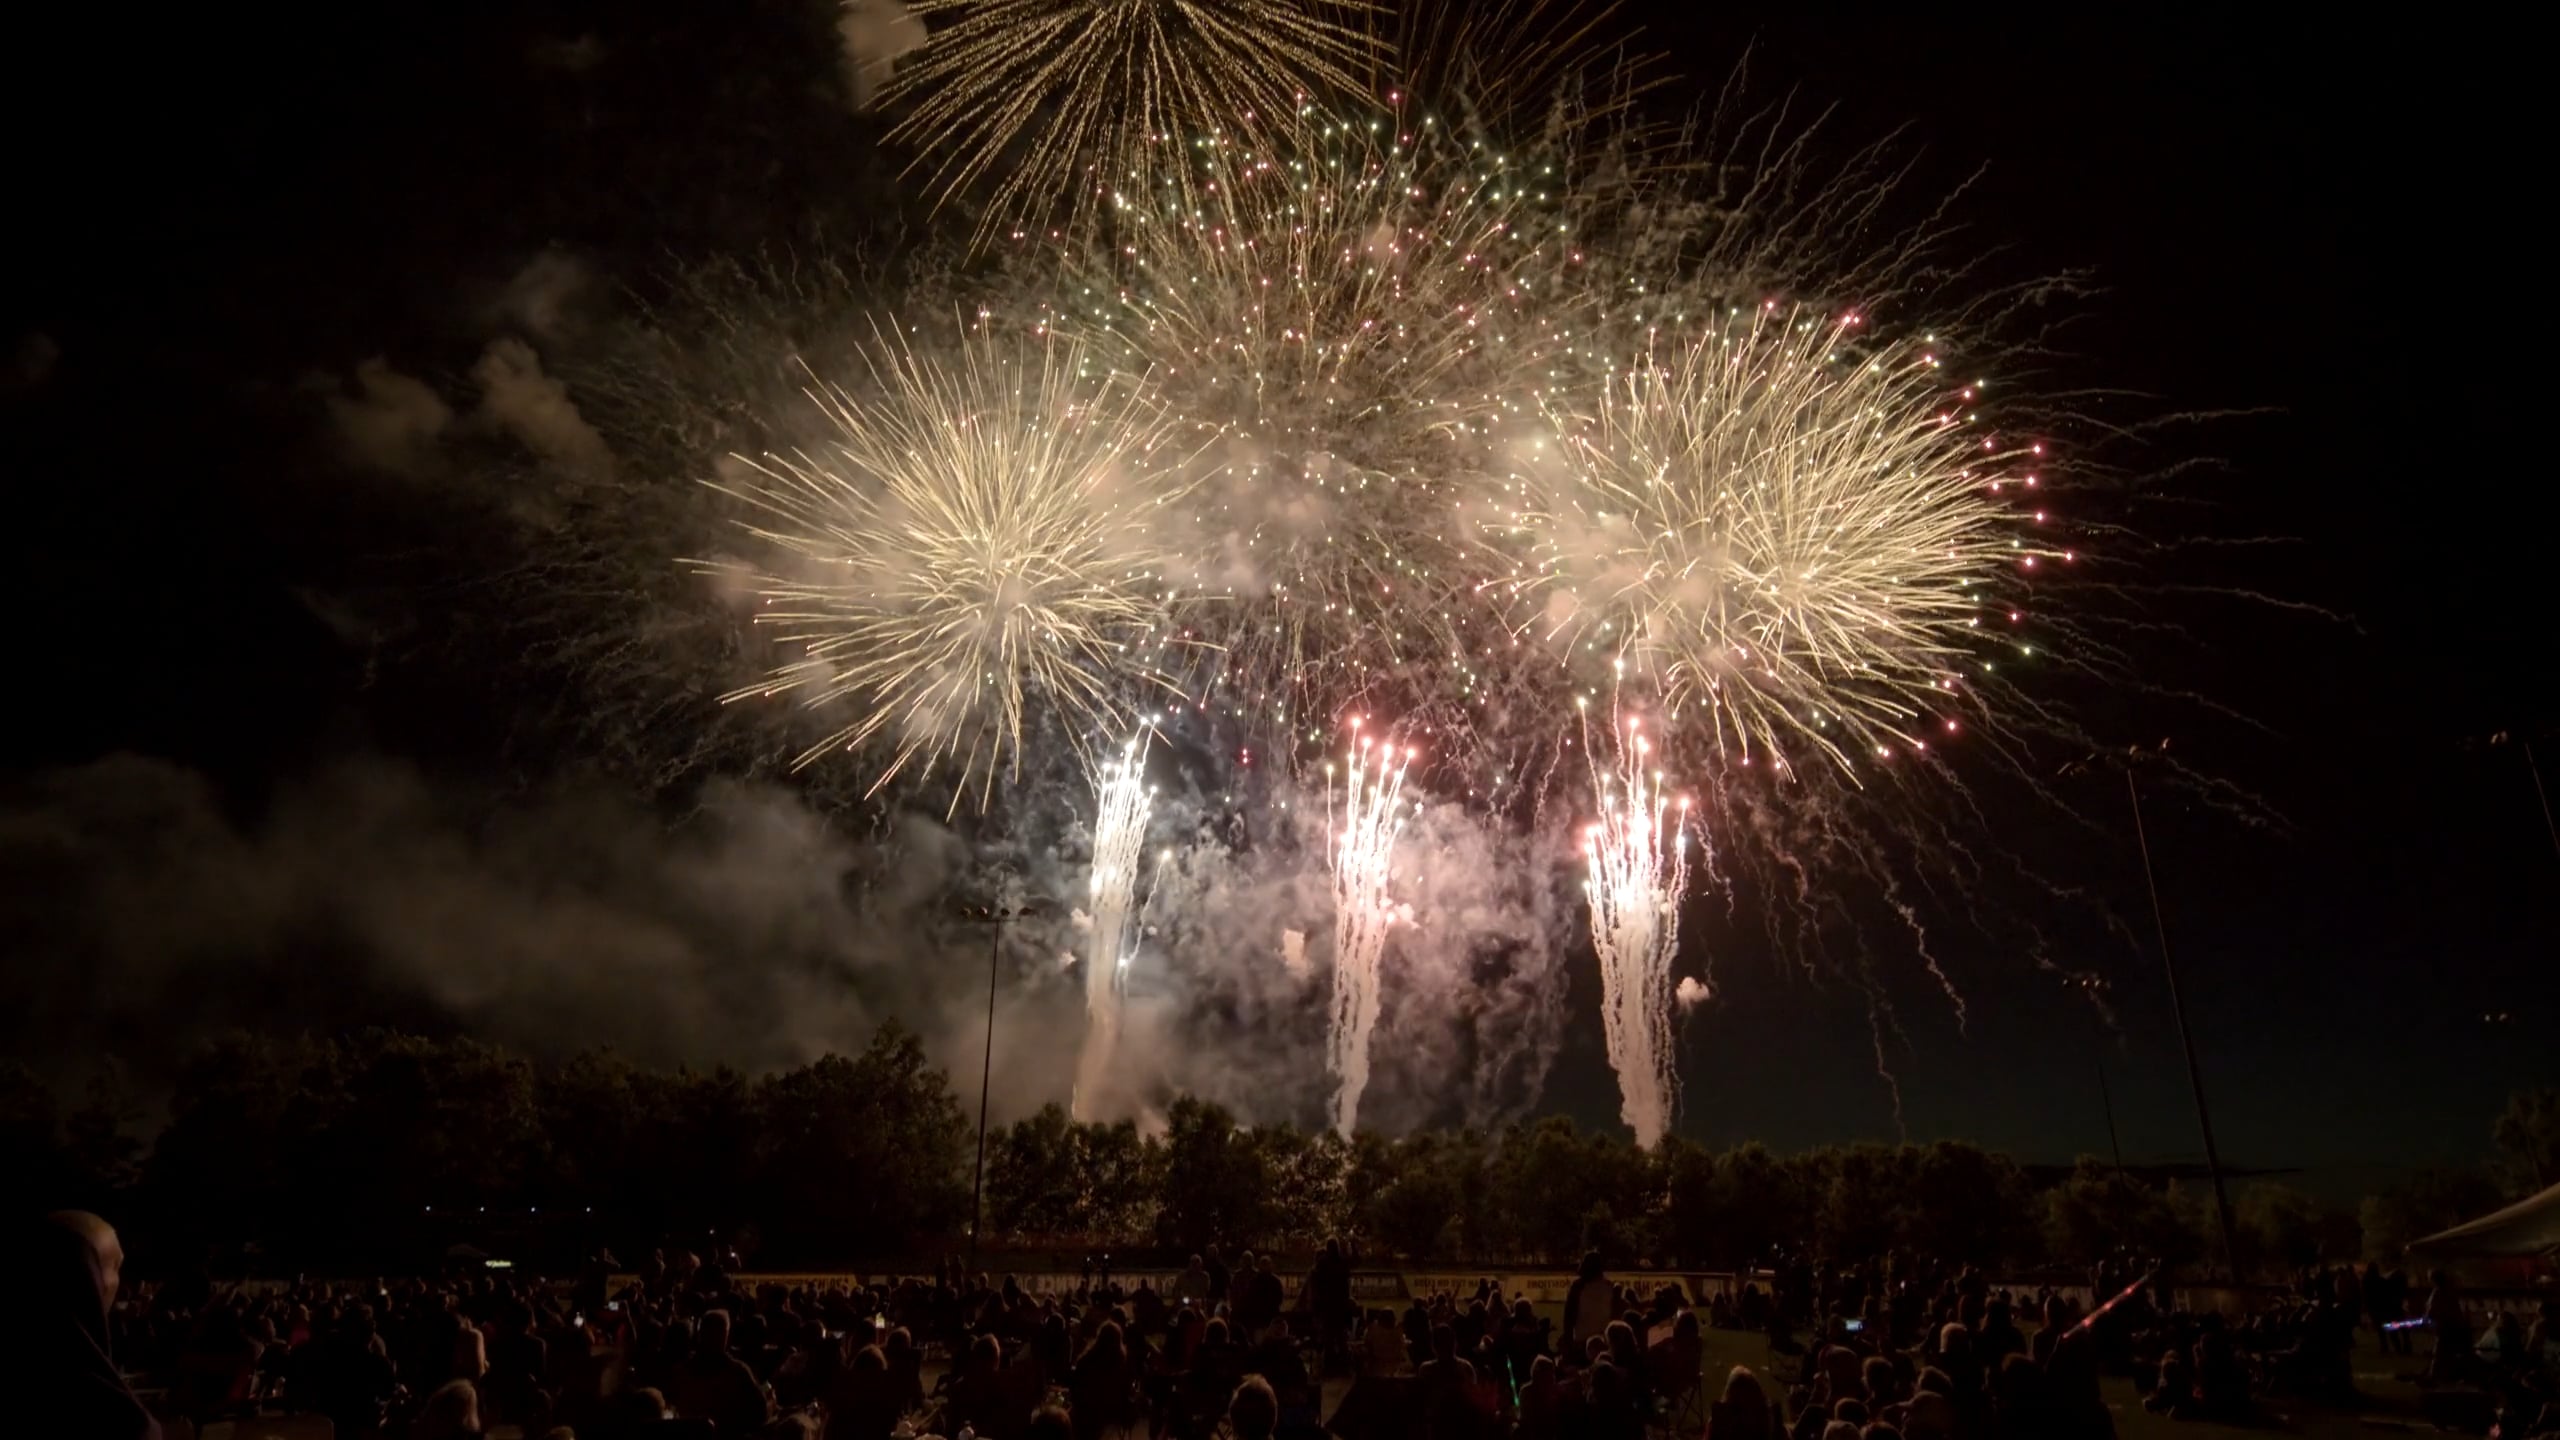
column 2528, row 1227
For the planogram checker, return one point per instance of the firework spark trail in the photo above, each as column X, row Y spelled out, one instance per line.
column 1639, row 862
column 1125, row 801
column 1793, row 535
column 975, row 539
column 1363, row 841
column 1054, row 100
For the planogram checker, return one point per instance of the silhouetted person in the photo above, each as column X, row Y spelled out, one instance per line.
column 70, row 1264
column 862, row 1398
column 717, row 1386
column 1193, row 1284
column 1254, row 1412
column 1102, row 1385
column 1742, row 1413
column 1329, row 1294
column 451, row 1413
column 1589, row 1305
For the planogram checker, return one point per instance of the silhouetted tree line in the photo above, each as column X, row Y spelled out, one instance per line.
column 376, row 1150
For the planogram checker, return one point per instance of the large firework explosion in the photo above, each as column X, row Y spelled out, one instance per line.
column 980, row 535
column 1050, row 103
column 1336, row 326
column 1793, row 536
column 1359, row 409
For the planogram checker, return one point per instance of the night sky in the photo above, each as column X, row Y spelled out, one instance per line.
column 2312, row 239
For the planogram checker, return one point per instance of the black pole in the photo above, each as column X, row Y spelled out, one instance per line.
column 2540, row 794
column 986, row 1077
column 2186, row 1038
column 2106, row 1098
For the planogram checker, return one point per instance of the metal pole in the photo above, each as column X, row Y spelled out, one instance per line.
column 986, row 1077
column 2186, row 1038
column 2106, row 1098
column 2540, row 794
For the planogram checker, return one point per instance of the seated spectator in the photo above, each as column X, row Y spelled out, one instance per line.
column 2221, row 1382
column 2000, row 1335
column 2020, row 1401
column 1542, row 1402
column 1253, row 1413
column 350, row 1377
column 1447, row 1383
column 1624, row 1354
column 451, row 1413
column 906, row 1367
column 1417, row 1331
column 1102, row 1388
column 218, row 1365
column 717, row 1386
column 1879, row 1382
column 1615, row 1411
column 861, row 1399
column 1742, row 1412
column 1524, row 1335
column 1672, row 1366
column 1383, row 1346
column 2174, row 1392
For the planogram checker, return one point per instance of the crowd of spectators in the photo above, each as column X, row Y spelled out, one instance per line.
column 1895, row 1349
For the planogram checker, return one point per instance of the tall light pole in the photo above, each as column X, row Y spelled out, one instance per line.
column 2186, row 1038
column 996, row 916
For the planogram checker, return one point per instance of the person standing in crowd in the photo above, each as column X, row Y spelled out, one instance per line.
column 1589, row 1305
column 1329, row 1296
column 1192, row 1285
column 1220, row 1279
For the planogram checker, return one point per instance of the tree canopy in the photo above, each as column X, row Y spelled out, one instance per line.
column 375, row 1149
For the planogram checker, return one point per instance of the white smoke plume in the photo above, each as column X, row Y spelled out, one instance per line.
column 876, row 35
column 391, row 422
column 536, row 409
column 541, row 298
column 1293, row 954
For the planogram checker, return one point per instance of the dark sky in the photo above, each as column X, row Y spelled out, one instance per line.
column 2318, row 226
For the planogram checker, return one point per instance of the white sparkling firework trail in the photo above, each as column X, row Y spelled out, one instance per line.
column 1119, row 831
column 1639, row 854
column 1363, row 840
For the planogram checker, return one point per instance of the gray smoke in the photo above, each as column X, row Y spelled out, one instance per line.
column 1229, row 989
column 386, row 420
column 747, row 932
